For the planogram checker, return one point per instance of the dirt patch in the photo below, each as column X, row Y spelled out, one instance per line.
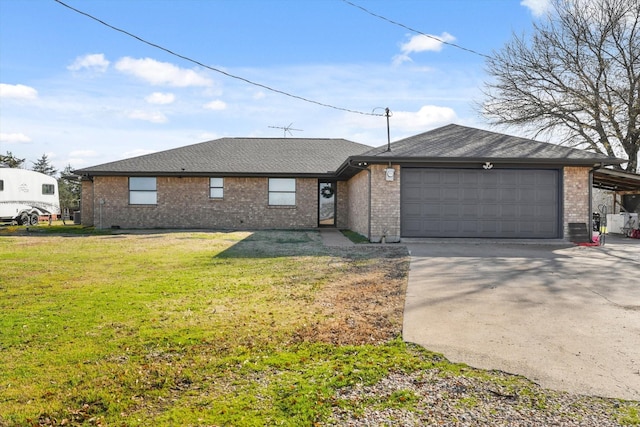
column 365, row 304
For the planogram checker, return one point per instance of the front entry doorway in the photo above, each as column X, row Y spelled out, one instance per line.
column 326, row 204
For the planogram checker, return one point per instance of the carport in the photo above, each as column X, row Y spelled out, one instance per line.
column 621, row 183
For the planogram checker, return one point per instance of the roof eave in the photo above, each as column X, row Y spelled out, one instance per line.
column 181, row 174
column 510, row 160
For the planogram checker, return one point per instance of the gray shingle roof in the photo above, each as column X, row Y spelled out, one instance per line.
column 455, row 142
column 246, row 156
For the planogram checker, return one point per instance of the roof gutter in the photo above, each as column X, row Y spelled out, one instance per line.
column 180, row 174
column 473, row 160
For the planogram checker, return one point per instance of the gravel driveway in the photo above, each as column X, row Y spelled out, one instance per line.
column 566, row 317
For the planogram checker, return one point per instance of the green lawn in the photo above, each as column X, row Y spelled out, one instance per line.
column 185, row 328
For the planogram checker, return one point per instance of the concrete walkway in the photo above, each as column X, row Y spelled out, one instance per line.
column 333, row 237
column 564, row 316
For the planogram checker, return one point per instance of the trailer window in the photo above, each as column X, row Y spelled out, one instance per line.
column 48, row 189
column 142, row 191
column 1, row 185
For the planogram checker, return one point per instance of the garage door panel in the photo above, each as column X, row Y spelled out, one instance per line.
column 509, row 228
column 469, row 226
column 413, row 209
column 431, row 194
column 545, row 180
column 507, row 211
column 430, row 177
column 489, row 211
column 449, row 210
column 509, row 195
column 489, row 194
column 478, row 203
column 489, row 226
column 454, row 193
column 543, row 196
column 470, row 210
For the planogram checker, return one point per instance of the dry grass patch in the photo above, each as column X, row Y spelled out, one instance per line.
column 364, row 303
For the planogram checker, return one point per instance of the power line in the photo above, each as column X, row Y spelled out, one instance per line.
column 414, row 30
column 186, row 58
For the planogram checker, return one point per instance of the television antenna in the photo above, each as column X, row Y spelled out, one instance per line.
column 286, row 129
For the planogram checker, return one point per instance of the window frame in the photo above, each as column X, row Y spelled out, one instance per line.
column 48, row 189
column 216, row 187
column 275, row 192
column 145, row 191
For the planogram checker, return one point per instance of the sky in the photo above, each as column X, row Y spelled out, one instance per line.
column 83, row 94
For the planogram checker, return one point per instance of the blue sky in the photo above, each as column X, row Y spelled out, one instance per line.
column 85, row 94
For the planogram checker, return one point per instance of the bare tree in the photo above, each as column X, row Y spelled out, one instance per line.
column 576, row 78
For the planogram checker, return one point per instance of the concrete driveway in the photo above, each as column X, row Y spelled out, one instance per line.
column 566, row 317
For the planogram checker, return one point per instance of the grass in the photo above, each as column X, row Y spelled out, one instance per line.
column 201, row 328
column 355, row 237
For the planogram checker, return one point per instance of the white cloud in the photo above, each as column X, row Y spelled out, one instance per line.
column 422, row 43
column 160, row 98
column 83, row 153
column 149, row 116
column 429, row 116
column 161, row 73
column 77, row 162
column 136, row 153
column 206, row 136
column 216, row 105
column 537, row 7
column 14, row 138
column 94, row 61
column 17, row 91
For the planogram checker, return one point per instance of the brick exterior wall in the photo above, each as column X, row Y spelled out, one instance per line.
column 185, row 203
column 385, row 205
column 576, row 200
column 342, row 208
column 86, row 204
column 358, row 203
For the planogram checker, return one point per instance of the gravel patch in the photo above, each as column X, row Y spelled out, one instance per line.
column 428, row 398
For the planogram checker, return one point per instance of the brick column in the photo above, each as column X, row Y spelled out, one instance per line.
column 576, row 196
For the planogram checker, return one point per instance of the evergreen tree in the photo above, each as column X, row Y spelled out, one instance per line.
column 69, row 188
column 43, row 165
column 11, row 161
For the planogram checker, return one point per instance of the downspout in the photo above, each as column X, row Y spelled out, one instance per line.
column 369, row 198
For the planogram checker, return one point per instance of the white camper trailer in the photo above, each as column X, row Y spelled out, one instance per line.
column 26, row 195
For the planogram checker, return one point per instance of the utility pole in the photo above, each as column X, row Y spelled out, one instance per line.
column 387, row 113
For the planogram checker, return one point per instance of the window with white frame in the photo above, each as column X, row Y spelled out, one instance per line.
column 48, row 189
column 216, row 188
column 282, row 192
column 143, row 191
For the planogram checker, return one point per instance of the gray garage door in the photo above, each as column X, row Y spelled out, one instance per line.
column 501, row 203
